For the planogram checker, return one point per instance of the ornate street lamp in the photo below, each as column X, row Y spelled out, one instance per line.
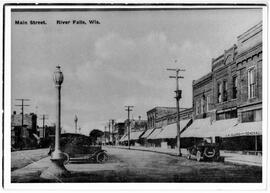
column 57, row 168
column 76, row 121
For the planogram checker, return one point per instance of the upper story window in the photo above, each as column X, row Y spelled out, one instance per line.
column 225, row 90
column 219, row 95
column 251, row 82
column 197, row 108
column 202, row 105
column 207, row 103
column 234, row 88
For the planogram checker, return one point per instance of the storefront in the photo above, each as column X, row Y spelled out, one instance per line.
column 246, row 137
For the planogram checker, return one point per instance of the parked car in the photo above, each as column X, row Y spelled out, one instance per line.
column 78, row 148
column 204, row 151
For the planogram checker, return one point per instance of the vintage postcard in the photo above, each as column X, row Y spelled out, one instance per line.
column 135, row 93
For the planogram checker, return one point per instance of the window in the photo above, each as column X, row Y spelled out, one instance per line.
column 219, row 92
column 197, row 108
column 207, row 103
column 234, row 88
column 251, row 83
column 202, row 105
column 251, row 116
column 225, row 87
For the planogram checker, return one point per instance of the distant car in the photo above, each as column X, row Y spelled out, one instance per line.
column 78, row 148
column 204, row 151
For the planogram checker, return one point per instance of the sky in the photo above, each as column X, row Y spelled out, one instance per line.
column 121, row 61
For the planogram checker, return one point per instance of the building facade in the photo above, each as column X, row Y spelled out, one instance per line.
column 233, row 90
column 23, row 136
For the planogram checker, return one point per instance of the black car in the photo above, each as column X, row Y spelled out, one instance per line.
column 204, row 151
column 79, row 148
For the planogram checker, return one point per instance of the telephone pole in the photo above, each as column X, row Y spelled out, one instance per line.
column 43, row 124
column 109, row 125
column 177, row 97
column 105, row 134
column 22, row 107
column 129, row 108
column 111, row 122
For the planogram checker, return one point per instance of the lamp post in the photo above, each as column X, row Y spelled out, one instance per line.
column 76, row 121
column 57, row 168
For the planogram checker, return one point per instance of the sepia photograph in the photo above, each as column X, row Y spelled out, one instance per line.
column 134, row 94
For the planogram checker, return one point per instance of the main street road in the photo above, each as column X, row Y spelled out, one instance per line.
column 141, row 166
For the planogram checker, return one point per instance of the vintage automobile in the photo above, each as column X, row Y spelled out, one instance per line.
column 79, row 148
column 204, row 151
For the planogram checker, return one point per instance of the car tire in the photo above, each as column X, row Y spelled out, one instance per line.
column 101, row 157
column 66, row 159
column 209, row 156
column 198, row 156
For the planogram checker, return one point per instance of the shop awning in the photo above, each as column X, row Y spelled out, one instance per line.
column 198, row 128
column 147, row 133
column 123, row 138
column 155, row 134
column 218, row 128
column 135, row 135
column 245, row 129
column 170, row 131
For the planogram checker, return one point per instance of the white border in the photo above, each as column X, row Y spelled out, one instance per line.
column 126, row 186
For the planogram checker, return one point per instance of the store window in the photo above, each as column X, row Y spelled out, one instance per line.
column 234, row 88
column 251, row 83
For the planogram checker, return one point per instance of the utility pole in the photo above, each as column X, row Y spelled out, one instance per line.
column 177, row 97
column 43, row 124
column 129, row 108
column 105, row 134
column 22, row 106
column 111, row 122
column 109, row 125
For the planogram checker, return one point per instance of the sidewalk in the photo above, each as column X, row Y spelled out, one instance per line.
column 234, row 158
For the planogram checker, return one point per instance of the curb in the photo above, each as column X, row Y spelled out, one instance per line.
column 148, row 150
column 240, row 162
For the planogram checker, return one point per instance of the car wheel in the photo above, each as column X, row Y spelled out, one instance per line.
column 101, row 157
column 211, row 155
column 66, row 158
column 198, row 156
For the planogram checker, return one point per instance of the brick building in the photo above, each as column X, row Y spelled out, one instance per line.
column 231, row 94
column 162, row 121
